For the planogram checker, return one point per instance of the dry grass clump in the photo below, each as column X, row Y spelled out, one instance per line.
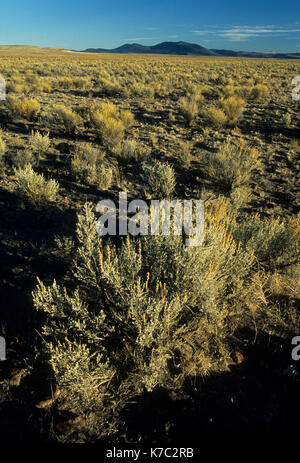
column 3, row 147
column 142, row 90
column 110, row 129
column 131, row 150
column 82, row 83
column 110, row 123
column 26, row 109
column 34, row 187
column 259, row 92
column 76, row 83
column 231, row 166
column 31, row 77
column 189, row 107
column 233, row 108
column 43, row 86
column 65, row 83
column 39, row 143
column 70, row 120
column 185, row 152
column 30, row 83
column 86, row 161
column 295, row 145
column 214, row 117
column 104, row 177
column 293, row 223
column 228, row 90
column 127, row 118
column 87, row 166
column 287, row 120
column 22, row 158
column 243, row 91
column 17, row 87
column 108, row 87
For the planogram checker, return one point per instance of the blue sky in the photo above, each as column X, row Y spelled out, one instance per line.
column 256, row 25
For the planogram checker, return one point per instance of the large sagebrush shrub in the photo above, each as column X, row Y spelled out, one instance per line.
column 150, row 312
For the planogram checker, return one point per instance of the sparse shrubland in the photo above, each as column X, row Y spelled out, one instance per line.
column 117, row 322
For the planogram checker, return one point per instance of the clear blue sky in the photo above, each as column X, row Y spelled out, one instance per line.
column 78, row 24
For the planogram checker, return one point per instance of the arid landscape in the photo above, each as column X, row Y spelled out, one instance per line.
column 137, row 340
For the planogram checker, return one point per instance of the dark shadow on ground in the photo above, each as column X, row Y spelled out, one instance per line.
column 26, row 240
column 257, row 400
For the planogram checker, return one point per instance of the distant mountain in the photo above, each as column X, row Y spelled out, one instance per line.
column 181, row 48
column 164, row 48
column 185, row 48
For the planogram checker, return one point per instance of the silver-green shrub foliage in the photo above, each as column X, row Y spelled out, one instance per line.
column 160, row 180
column 147, row 313
column 150, row 311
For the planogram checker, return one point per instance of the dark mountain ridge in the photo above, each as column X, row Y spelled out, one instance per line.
column 185, row 48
